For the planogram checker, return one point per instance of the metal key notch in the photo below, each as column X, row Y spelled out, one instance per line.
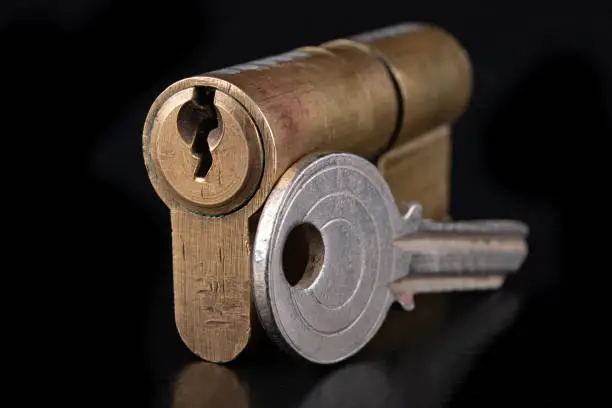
column 370, row 256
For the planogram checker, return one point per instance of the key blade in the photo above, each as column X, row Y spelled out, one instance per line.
column 454, row 253
column 457, row 256
column 465, row 247
column 405, row 289
column 498, row 227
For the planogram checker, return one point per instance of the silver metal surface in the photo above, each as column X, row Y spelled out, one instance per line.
column 371, row 255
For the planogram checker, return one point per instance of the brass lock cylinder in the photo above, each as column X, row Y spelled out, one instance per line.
column 215, row 142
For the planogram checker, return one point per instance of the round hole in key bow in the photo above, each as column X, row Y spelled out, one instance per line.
column 303, row 255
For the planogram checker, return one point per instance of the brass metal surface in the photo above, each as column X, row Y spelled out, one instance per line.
column 431, row 70
column 360, row 95
column 212, row 290
column 421, row 168
column 221, row 177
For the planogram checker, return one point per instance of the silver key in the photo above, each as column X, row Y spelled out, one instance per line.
column 363, row 256
column 453, row 256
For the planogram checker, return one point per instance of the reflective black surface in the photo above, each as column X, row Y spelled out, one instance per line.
column 426, row 373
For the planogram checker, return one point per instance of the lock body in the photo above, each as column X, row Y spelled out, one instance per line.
column 371, row 95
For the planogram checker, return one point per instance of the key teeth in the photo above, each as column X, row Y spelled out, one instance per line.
column 412, row 218
column 403, row 295
column 415, row 209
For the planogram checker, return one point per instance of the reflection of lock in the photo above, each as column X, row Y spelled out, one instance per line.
column 216, row 144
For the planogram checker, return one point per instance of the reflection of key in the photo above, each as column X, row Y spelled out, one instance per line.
column 361, row 255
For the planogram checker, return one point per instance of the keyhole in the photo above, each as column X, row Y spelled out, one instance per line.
column 198, row 125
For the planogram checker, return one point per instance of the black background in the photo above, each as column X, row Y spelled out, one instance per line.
column 528, row 148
